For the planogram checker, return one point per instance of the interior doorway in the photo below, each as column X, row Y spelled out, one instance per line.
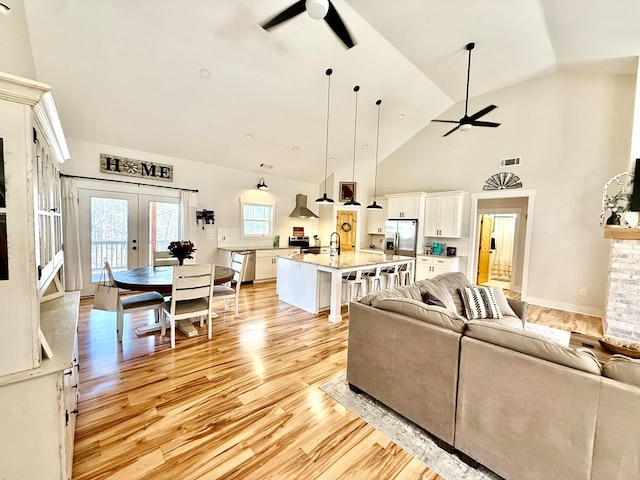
column 509, row 257
column 497, row 249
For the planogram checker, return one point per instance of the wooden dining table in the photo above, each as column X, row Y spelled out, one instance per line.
column 160, row 279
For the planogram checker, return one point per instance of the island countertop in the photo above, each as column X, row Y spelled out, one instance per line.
column 349, row 260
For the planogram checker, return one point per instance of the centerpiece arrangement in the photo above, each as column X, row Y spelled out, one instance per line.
column 181, row 249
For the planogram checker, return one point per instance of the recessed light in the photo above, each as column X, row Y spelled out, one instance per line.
column 248, row 135
column 331, row 159
column 364, row 147
column 401, row 115
column 204, row 73
column 295, row 149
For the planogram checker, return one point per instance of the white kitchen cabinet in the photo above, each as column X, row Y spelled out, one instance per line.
column 428, row 266
column 443, row 214
column 267, row 262
column 38, row 394
column 376, row 218
column 405, row 205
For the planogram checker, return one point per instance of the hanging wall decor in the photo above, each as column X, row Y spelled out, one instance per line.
column 502, row 181
column 135, row 168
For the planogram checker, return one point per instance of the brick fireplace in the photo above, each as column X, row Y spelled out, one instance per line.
column 622, row 316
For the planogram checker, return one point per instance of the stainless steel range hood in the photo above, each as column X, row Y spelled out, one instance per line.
column 301, row 210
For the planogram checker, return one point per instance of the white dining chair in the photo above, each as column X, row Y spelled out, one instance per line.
column 229, row 290
column 164, row 258
column 191, row 296
column 134, row 303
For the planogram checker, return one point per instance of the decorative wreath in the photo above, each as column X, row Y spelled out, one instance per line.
column 346, row 227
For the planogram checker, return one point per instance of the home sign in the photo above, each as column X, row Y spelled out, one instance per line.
column 135, row 168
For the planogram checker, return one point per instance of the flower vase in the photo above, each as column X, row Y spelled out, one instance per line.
column 180, row 261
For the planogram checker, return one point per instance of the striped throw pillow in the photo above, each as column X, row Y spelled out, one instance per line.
column 479, row 303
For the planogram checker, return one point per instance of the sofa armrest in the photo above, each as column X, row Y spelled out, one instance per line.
column 519, row 307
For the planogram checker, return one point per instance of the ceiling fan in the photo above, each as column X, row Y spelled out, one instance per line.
column 466, row 122
column 317, row 9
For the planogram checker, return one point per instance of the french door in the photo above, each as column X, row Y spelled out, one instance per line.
column 123, row 229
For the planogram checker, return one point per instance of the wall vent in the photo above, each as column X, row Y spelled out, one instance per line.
column 509, row 162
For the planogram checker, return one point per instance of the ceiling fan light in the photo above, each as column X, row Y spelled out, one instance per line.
column 465, row 127
column 317, row 9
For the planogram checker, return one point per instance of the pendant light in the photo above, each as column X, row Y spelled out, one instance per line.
column 374, row 205
column 261, row 185
column 324, row 199
column 352, row 201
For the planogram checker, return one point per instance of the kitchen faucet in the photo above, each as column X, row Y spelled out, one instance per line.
column 331, row 243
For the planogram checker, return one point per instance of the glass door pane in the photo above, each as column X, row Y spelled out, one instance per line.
column 163, row 224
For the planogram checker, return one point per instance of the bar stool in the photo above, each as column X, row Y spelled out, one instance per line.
column 374, row 278
column 356, row 284
column 391, row 276
column 405, row 274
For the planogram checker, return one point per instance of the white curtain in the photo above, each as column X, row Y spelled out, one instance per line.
column 71, row 236
column 504, row 229
column 188, row 222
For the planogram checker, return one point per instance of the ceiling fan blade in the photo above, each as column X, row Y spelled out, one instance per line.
column 446, row 121
column 295, row 9
column 483, row 112
column 452, row 130
column 477, row 123
column 337, row 25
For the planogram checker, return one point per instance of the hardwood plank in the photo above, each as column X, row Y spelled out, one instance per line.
column 244, row 405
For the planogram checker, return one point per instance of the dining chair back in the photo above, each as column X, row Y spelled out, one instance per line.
column 229, row 291
column 191, row 296
column 163, row 258
column 134, row 303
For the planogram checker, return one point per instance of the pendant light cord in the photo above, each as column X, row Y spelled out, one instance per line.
column 326, row 145
column 375, row 180
column 355, row 122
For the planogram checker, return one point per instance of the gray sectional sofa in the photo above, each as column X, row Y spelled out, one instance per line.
column 522, row 405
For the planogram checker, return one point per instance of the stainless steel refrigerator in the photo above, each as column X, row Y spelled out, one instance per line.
column 401, row 237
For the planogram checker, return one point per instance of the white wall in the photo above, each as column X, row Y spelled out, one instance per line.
column 15, row 55
column 219, row 190
column 573, row 132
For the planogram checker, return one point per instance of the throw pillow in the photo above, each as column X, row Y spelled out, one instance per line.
column 429, row 299
column 502, row 302
column 479, row 303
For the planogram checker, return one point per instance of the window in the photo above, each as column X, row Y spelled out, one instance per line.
column 257, row 219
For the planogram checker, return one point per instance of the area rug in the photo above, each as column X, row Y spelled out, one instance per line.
column 404, row 433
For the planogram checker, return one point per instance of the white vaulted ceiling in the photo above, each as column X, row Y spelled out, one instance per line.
column 130, row 72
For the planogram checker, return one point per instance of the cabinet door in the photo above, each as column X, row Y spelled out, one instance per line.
column 432, row 217
column 451, row 216
column 375, row 222
column 411, row 207
column 265, row 264
column 394, row 208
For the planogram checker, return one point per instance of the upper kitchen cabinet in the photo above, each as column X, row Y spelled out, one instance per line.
column 376, row 218
column 443, row 214
column 405, row 205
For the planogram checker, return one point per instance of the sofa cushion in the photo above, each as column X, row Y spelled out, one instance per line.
column 419, row 310
column 534, row 345
column 623, row 369
column 409, row 291
column 445, row 287
column 479, row 302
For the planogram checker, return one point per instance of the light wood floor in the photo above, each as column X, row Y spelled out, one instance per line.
column 245, row 405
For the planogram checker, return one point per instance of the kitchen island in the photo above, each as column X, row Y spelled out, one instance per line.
column 314, row 282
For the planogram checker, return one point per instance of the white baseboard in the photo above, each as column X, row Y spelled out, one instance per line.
column 594, row 312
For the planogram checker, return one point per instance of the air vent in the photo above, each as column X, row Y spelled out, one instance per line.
column 510, row 162
column 268, row 166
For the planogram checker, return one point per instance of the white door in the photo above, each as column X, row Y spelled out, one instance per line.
column 123, row 229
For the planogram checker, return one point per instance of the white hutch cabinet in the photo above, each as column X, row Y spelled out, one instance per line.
column 38, row 393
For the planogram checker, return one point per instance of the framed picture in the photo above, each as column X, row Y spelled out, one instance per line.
column 347, row 191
